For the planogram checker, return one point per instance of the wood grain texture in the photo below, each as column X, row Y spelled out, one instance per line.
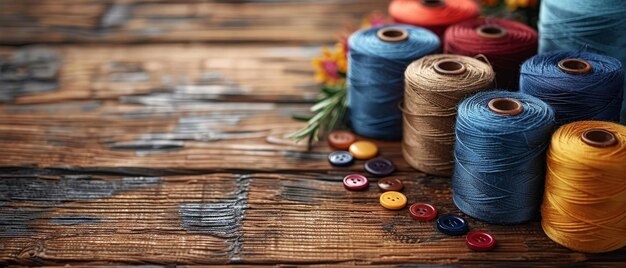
column 244, row 218
column 133, row 21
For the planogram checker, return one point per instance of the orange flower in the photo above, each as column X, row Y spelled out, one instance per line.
column 331, row 67
column 515, row 4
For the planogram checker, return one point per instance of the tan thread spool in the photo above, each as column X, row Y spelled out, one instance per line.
column 434, row 85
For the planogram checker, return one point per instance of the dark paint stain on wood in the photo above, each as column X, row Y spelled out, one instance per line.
column 68, row 189
column 221, row 218
column 16, row 221
column 30, row 70
column 74, row 220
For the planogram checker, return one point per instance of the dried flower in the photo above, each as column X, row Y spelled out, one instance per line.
column 331, row 67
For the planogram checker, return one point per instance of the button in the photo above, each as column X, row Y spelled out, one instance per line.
column 355, row 182
column 422, row 211
column 480, row 241
column 390, row 184
column 379, row 167
column 340, row 158
column 452, row 225
column 392, row 200
column 341, row 139
column 363, row 149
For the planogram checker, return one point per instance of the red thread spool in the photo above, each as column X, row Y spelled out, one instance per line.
column 505, row 43
column 435, row 15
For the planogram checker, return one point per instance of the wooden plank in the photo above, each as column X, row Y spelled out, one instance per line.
column 245, row 218
column 197, row 72
column 132, row 21
column 186, row 136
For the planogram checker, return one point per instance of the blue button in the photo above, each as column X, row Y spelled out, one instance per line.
column 379, row 167
column 340, row 158
column 452, row 225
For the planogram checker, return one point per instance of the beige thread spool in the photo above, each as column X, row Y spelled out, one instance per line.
column 434, row 85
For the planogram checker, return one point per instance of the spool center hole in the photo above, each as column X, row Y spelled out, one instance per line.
column 574, row 65
column 491, row 30
column 450, row 65
column 432, row 3
column 599, row 138
column 392, row 33
column 505, row 105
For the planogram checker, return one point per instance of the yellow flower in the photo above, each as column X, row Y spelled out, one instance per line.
column 331, row 66
column 515, row 4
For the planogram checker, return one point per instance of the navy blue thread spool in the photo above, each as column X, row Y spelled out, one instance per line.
column 377, row 60
column 578, row 85
column 500, row 156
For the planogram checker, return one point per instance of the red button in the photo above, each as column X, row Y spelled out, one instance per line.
column 341, row 139
column 480, row 241
column 355, row 182
column 422, row 211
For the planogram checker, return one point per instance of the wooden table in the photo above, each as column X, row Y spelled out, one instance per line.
column 151, row 131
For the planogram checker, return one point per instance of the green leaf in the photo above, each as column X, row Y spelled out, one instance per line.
column 300, row 117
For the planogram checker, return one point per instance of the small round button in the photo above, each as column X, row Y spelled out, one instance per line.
column 363, row 149
column 341, row 139
column 392, row 200
column 422, row 211
column 390, row 184
column 452, row 225
column 379, row 167
column 355, row 182
column 480, row 241
column 340, row 158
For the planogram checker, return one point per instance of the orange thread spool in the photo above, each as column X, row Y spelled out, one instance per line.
column 435, row 15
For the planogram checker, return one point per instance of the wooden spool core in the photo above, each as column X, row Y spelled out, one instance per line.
column 491, row 31
column 433, row 3
column 391, row 34
column 449, row 67
column 575, row 66
column 505, row 106
column 599, row 138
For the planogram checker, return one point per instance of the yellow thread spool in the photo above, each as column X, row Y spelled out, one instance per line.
column 584, row 205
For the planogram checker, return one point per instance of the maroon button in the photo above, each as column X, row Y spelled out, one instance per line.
column 355, row 182
column 390, row 184
column 422, row 211
column 480, row 241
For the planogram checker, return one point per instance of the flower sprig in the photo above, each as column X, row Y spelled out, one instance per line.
column 330, row 71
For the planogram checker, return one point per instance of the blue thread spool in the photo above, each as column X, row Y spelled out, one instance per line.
column 597, row 26
column 377, row 60
column 501, row 138
column 578, row 85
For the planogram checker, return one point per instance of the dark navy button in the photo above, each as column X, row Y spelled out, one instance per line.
column 340, row 158
column 379, row 167
column 452, row 225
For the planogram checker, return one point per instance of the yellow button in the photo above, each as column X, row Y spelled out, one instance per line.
column 393, row 200
column 363, row 150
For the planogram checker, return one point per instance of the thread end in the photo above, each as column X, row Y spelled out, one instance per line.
column 505, row 106
column 599, row 138
column 391, row 34
column 575, row 66
column 449, row 67
column 491, row 31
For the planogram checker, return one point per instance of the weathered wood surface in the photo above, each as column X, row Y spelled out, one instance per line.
column 115, row 153
column 27, row 21
column 243, row 218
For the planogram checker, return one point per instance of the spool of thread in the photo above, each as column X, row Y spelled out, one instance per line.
column 505, row 43
column 435, row 15
column 500, row 156
column 434, row 85
column 584, row 205
column 376, row 63
column 597, row 26
column 578, row 85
